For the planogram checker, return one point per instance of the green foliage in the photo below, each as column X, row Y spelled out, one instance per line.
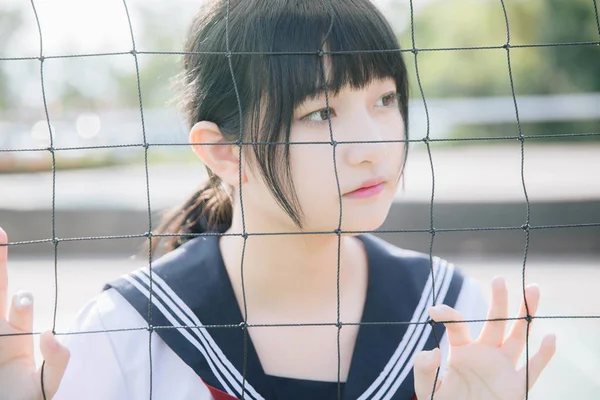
column 536, row 70
column 481, row 23
column 439, row 24
column 159, row 30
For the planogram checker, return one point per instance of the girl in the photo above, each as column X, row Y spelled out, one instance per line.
column 267, row 265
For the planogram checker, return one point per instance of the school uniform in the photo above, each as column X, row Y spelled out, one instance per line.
column 190, row 287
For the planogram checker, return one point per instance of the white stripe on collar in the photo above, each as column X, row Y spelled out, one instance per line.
column 175, row 308
column 443, row 290
column 389, row 379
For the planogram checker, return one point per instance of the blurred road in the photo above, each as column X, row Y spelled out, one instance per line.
column 569, row 287
column 467, row 174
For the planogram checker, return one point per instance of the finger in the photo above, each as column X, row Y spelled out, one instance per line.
column 425, row 371
column 56, row 357
column 21, row 312
column 493, row 331
column 3, row 272
column 457, row 332
column 515, row 342
column 540, row 360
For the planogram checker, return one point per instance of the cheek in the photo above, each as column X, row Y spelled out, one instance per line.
column 393, row 127
column 313, row 171
column 396, row 149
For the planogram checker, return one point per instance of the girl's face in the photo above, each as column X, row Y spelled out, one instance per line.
column 370, row 114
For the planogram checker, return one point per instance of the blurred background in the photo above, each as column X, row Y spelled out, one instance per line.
column 476, row 185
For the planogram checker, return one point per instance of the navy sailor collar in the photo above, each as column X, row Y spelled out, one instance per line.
column 191, row 287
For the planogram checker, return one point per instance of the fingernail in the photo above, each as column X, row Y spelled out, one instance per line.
column 431, row 358
column 427, row 358
column 438, row 308
column 499, row 282
column 23, row 299
column 52, row 343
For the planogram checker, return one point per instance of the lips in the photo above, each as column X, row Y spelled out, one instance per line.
column 368, row 188
column 370, row 183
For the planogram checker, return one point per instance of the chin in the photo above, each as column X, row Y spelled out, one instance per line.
column 363, row 226
column 366, row 219
column 355, row 224
column 361, row 218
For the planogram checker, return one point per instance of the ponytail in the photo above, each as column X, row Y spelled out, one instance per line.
column 208, row 210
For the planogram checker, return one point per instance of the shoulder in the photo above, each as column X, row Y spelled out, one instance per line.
column 106, row 313
column 420, row 272
column 111, row 353
column 396, row 258
column 194, row 265
column 95, row 368
column 186, row 258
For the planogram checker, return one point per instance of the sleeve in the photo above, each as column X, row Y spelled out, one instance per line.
column 110, row 358
column 473, row 306
column 94, row 370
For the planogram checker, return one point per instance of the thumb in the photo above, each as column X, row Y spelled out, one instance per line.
column 56, row 357
column 425, row 370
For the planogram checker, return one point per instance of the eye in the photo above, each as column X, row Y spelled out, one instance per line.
column 320, row 115
column 388, row 100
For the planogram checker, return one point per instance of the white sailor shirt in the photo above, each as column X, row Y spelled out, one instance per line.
column 112, row 345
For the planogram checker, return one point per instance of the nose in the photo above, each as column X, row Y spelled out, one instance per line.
column 368, row 145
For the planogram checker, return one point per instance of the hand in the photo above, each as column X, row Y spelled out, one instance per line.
column 486, row 368
column 19, row 378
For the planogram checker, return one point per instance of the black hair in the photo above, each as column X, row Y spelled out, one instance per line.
column 359, row 46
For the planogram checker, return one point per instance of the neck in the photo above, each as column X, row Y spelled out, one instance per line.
column 283, row 271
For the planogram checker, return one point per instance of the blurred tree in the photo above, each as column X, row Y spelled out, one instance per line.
column 161, row 28
column 536, row 70
column 573, row 21
column 158, row 26
column 483, row 72
column 11, row 19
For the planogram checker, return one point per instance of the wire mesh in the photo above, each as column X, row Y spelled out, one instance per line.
column 527, row 228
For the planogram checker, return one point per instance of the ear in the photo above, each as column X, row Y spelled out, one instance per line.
column 222, row 159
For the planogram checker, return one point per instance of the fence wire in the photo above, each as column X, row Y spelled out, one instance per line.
column 527, row 228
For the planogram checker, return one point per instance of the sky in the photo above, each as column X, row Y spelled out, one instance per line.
column 85, row 26
column 82, row 27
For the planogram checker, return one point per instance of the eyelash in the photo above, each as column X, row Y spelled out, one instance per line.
column 392, row 96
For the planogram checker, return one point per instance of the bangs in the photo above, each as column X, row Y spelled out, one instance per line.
column 359, row 47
